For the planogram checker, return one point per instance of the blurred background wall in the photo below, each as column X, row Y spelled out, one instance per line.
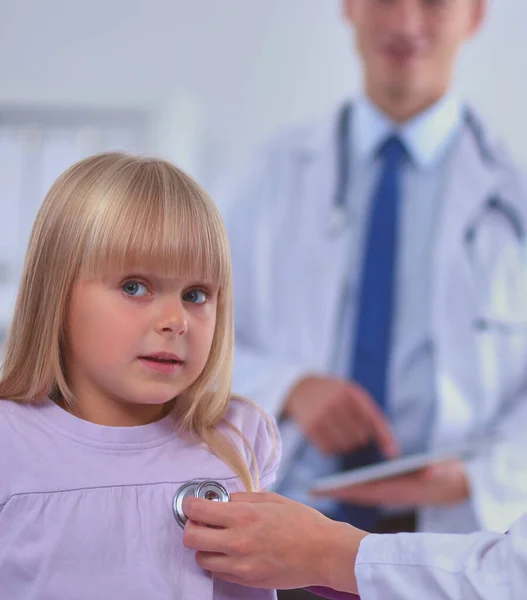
column 226, row 71
column 198, row 81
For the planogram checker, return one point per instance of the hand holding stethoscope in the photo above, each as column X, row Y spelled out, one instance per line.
column 207, row 490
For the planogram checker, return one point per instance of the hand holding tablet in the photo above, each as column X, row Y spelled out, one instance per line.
column 435, row 477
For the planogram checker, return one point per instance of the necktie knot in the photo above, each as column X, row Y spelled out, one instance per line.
column 393, row 150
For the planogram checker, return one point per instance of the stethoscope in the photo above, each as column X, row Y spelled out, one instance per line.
column 338, row 218
column 208, row 490
column 495, row 205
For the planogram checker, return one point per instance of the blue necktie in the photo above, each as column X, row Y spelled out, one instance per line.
column 375, row 307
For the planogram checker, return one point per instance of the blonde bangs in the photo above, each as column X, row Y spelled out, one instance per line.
column 154, row 219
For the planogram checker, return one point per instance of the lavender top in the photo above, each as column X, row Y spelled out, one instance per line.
column 86, row 510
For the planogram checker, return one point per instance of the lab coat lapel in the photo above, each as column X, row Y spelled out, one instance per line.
column 326, row 253
column 471, row 182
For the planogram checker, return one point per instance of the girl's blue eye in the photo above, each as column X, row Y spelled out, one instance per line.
column 195, row 296
column 134, row 288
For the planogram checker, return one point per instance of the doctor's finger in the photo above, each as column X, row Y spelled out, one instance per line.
column 358, row 425
column 359, row 421
column 347, row 425
column 338, row 433
column 322, row 436
column 383, row 436
column 207, row 539
column 378, row 425
column 347, row 434
column 215, row 561
column 215, row 514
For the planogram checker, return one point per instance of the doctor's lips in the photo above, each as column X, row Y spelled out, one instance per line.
column 403, row 50
column 163, row 362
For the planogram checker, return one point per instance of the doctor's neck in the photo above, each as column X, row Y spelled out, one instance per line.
column 401, row 103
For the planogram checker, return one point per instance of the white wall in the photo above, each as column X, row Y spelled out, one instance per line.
column 225, row 73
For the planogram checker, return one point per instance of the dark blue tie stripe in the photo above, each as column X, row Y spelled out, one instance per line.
column 373, row 329
column 376, row 300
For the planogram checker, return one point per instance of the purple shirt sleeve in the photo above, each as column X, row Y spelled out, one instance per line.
column 332, row 594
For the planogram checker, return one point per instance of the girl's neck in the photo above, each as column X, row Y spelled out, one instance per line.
column 116, row 414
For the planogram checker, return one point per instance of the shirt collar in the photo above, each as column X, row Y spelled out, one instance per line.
column 425, row 136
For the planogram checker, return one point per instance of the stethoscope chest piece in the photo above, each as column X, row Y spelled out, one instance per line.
column 208, row 490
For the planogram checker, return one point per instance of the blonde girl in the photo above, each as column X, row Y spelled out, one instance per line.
column 116, row 389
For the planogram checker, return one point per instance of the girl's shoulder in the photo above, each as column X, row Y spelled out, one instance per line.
column 260, row 435
column 18, row 421
column 247, row 416
column 13, row 415
column 15, row 442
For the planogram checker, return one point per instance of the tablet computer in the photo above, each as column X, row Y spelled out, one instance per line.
column 399, row 466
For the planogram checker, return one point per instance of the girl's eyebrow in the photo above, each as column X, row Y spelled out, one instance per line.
column 146, row 274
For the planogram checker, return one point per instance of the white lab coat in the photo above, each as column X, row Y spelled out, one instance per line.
column 479, row 566
column 289, row 277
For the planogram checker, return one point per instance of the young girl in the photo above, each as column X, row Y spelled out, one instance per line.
column 116, row 388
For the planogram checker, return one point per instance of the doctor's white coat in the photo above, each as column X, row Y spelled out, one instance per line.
column 289, row 275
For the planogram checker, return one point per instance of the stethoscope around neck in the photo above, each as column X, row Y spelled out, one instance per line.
column 488, row 323
column 495, row 206
column 338, row 217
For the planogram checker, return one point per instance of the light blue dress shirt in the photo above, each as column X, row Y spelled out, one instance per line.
column 411, row 394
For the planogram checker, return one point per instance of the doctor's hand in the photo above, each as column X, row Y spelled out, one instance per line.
column 438, row 485
column 267, row 541
column 339, row 416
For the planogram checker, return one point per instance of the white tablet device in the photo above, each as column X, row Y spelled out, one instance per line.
column 398, row 466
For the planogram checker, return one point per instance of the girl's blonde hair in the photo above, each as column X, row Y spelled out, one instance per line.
column 119, row 210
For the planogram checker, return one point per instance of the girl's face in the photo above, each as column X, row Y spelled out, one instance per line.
column 134, row 342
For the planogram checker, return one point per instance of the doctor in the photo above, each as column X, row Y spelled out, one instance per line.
column 268, row 541
column 380, row 287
